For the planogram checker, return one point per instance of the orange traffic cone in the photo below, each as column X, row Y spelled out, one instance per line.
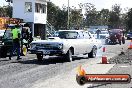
column 104, row 58
column 130, row 46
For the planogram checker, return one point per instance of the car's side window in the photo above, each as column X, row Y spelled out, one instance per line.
column 80, row 35
column 90, row 36
column 86, row 35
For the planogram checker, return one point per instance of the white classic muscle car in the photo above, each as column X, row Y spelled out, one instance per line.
column 67, row 43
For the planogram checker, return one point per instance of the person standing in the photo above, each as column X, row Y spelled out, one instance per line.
column 123, row 31
column 16, row 41
column 98, row 32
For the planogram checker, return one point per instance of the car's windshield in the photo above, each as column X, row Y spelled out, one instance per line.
column 92, row 32
column 67, row 34
column 104, row 32
column 116, row 31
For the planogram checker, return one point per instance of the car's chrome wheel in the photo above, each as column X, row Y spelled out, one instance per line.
column 123, row 40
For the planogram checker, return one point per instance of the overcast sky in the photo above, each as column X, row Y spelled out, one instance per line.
column 2, row 2
column 99, row 4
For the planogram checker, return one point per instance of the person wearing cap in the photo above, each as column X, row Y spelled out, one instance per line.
column 16, row 41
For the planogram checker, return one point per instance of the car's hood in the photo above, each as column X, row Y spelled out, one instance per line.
column 49, row 40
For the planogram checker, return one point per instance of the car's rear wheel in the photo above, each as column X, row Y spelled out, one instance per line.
column 3, row 52
column 93, row 53
column 119, row 41
column 123, row 40
column 39, row 56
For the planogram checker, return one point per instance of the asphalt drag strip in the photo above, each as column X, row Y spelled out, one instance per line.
column 53, row 72
column 91, row 66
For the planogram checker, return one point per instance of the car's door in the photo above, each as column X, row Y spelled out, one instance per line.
column 88, row 42
column 79, row 43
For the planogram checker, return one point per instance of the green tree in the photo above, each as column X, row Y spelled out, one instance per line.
column 114, row 20
column 52, row 11
column 92, row 16
column 104, row 17
column 61, row 19
column 56, row 16
column 75, row 18
column 2, row 12
column 129, row 20
column 6, row 11
column 123, row 23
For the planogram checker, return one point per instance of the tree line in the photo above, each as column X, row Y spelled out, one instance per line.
column 58, row 17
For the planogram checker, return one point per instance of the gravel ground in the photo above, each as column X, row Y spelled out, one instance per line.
column 123, row 58
column 123, row 66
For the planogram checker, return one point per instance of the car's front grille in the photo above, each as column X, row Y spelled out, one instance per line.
column 47, row 46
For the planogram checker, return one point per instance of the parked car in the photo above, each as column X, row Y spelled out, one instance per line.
column 103, row 34
column 129, row 35
column 7, row 42
column 93, row 33
column 1, row 34
column 97, row 42
column 116, row 37
column 66, row 44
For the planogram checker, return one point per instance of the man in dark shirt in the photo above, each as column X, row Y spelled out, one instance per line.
column 98, row 32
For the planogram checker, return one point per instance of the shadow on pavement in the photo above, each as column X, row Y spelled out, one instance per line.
column 4, row 60
column 111, row 44
column 47, row 61
column 43, row 62
column 99, row 85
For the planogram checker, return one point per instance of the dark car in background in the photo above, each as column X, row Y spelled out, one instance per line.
column 116, row 36
column 129, row 35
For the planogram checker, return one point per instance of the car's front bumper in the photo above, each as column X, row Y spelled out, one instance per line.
column 48, row 52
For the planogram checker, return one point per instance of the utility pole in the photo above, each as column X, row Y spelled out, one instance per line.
column 68, row 17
